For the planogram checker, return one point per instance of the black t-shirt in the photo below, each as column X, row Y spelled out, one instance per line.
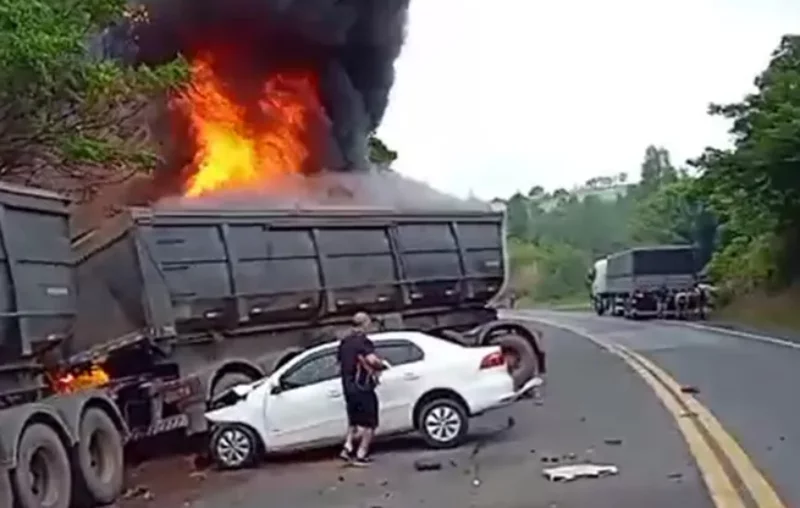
column 354, row 376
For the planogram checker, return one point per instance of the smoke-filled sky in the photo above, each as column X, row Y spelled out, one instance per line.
column 498, row 96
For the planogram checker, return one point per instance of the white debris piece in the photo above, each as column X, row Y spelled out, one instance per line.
column 571, row 472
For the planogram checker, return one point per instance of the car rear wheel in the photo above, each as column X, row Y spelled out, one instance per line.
column 234, row 446
column 443, row 423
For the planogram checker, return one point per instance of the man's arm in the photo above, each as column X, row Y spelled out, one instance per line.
column 367, row 354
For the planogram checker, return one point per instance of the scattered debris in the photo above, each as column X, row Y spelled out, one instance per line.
column 453, row 463
column 533, row 450
column 583, row 419
column 138, row 491
column 476, row 482
column 427, row 465
column 690, row 389
column 571, row 456
column 199, row 475
column 782, row 438
column 550, row 458
column 572, row 472
column 613, row 441
column 688, row 414
column 481, row 443
column 675, row 476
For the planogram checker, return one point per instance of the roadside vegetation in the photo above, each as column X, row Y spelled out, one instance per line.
column 740, row 205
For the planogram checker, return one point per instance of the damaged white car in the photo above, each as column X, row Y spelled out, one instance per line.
column 431, row 386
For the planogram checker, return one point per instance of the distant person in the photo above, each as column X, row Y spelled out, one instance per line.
column 360, row 368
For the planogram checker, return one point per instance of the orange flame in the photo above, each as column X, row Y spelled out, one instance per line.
column 94, row 377
column 237, row 148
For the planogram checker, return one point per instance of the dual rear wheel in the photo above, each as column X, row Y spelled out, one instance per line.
column 43, row 476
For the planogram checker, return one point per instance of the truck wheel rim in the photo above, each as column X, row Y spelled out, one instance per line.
column 99, row 462
column 443, row 423
column 42, row 485
column 233, row 447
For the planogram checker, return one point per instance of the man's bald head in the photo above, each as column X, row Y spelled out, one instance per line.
column 362, row 321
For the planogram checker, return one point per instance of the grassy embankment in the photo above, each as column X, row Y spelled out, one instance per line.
column 778, row 312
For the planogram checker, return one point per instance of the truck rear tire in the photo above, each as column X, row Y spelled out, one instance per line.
column 100, row 459
column 525, row 358
column 599, row 306
column 5, row 488
column 228, row 381
column 42, row 478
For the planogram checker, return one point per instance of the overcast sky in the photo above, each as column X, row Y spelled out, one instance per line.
column 494, row 96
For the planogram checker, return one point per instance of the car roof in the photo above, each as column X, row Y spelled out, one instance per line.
column 421, row 339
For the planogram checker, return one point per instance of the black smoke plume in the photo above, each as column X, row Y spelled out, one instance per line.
column 350, row 45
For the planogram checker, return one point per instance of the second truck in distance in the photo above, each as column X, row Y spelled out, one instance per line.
column 657, row 281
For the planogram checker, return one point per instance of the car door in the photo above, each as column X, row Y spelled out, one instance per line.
column 400, row 385
column 309, row 408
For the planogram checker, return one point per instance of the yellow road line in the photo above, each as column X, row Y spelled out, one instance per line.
column 717, row 481
column 720, row 487
column 762, row 491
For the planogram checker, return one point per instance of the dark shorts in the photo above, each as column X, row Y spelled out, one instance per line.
column 362, row 408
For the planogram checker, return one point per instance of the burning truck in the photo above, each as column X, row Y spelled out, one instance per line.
column 270, row 229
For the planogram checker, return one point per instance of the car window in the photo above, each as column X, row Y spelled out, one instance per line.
column 314, row 370
column 400, row 352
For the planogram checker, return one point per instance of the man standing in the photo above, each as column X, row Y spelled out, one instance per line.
column 360, row 368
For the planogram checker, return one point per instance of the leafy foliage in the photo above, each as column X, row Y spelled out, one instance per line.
column 67, row 113
column 379, row 153
column 754, row 188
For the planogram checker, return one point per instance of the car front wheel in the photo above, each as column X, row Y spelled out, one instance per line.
column 443, row 423
column 234, row 446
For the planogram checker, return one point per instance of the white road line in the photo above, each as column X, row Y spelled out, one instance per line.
column 705, row 328
column 735, row 333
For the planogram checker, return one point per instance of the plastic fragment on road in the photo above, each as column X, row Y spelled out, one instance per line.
column 575, row 471
column 427, row 465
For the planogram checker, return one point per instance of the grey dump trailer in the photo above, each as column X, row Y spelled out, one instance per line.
column 648, row 281
column 177, row 306
column 49, row 451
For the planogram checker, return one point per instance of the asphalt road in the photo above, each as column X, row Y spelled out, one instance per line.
column 601, row 404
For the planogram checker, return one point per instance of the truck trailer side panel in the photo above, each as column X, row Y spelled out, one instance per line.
column 650, row 268
column 37, row 292
column 184, row 272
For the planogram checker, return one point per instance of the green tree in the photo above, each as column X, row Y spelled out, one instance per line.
column 754, row 188
column 379, row 153
column 518, row 216
column 677, row 213
column 656, row 170
column 65, row 111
